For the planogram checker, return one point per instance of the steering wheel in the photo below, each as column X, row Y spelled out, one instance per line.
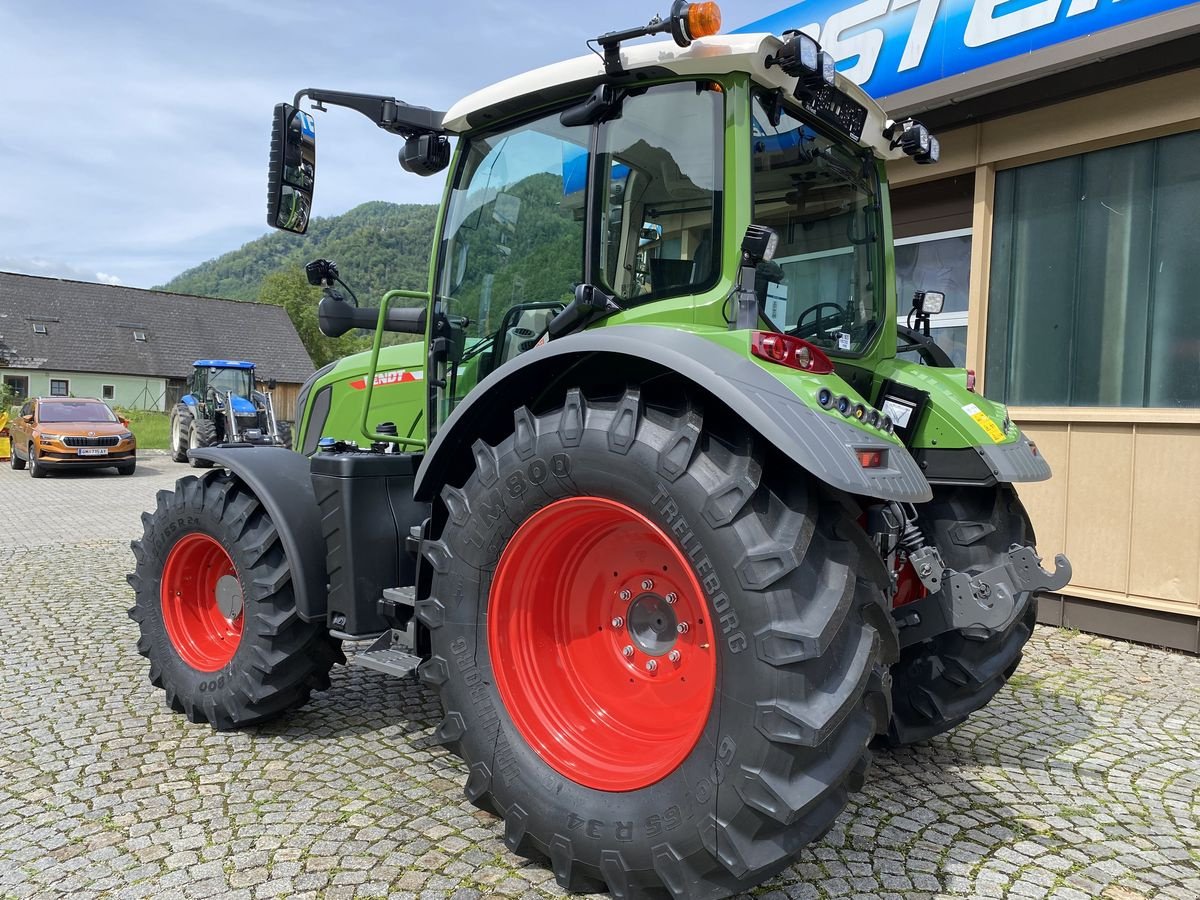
column 815, row 312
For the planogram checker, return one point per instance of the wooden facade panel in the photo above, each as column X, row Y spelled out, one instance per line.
column 1099, row 503
column 1046, row 501
column 1164, row 560
column 284, row 398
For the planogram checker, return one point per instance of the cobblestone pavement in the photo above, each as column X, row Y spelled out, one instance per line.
column 1081, row 780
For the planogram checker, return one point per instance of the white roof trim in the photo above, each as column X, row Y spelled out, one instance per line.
column 713, row 56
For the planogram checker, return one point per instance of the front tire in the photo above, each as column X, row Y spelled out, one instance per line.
column 181, row 429
column 203, row 433
column 938, row 683
column 708, row 772
column 36, row 469
column 216, row 608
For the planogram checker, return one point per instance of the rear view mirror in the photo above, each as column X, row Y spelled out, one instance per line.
column 292, row 169
column 124, row 421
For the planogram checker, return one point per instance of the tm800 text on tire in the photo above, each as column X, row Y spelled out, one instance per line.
column 217, row 611
column 661, row 653
column 939, row 682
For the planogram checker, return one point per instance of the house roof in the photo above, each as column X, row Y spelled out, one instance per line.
column 90, row 328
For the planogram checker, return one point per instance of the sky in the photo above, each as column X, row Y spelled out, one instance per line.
column 135, row 132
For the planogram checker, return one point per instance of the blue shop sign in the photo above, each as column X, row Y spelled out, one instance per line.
column 888, row 46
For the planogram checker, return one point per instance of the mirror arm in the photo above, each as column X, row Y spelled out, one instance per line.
column 388, row 113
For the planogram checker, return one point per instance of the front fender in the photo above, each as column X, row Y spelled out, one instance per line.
column 818, row 442
column 280, row 480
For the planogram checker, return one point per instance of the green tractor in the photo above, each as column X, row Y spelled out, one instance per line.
column 655, row 507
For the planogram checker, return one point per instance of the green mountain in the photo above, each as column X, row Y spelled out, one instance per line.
column 378, row 246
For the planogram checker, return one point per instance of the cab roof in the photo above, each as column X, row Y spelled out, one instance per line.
column 223, row 364
column 711, row 56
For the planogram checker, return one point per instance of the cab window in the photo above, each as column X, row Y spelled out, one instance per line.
column 660, row 191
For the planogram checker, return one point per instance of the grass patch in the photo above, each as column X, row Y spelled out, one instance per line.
column 151, row 428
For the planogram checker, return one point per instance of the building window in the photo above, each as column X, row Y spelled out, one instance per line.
column 107, row 392
column 937, row 262
column 1094, row 269
column 139, row 335
column 39, row 328
column 18, row 386
column 60, row 387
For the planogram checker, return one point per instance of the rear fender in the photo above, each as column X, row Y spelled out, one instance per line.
column 818, row 442
column 280, row 480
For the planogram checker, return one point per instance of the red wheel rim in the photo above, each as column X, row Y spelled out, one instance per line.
column 601, row 644
column 202, row 602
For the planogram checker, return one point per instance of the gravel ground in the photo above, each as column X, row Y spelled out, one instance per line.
column 1081, row 780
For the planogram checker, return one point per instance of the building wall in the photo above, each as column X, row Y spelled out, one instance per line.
column 129, row 391
column 1124, row 503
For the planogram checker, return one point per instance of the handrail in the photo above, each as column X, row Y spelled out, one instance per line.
column 370, row 435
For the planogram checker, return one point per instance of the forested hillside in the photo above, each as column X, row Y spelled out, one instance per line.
column 377, row 246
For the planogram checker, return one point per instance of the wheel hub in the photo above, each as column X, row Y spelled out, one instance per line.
column 652, row 624
column 229, row 596
column 202, row 602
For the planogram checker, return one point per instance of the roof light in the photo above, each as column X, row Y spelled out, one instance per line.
column 703, row 19
column 789, row 351
column 828, row 67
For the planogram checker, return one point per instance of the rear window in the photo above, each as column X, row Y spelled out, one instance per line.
column 75, row 411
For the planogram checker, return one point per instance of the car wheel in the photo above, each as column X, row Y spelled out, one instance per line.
column 36, row 469
column 14, row 461
column 126, row 468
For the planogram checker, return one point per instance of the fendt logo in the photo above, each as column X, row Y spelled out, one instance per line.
column 396, row 376
column 887, row 46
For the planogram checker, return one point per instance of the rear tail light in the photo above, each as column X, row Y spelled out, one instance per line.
column 871, row 459
column 789, row 351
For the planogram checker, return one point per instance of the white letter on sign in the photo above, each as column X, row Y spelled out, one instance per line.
column 918, row 37
column 865, row 45
column 984, row 28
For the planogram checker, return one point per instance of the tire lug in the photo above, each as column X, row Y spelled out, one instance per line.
column 671, row 598
column 627, row 652
column 647, row 585
column 625, row 595
column 651, row 665
column 674, row 656
column 617, row 622
column 682, row 627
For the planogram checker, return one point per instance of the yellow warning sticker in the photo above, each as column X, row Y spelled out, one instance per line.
column 984, row 421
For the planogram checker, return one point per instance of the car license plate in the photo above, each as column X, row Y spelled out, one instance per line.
column 93, row 451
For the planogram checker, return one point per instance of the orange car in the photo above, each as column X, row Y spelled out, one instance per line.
column 69, row 433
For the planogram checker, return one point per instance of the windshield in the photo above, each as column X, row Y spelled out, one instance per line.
column 826, row 282
column 226, row 380
column 75, row 411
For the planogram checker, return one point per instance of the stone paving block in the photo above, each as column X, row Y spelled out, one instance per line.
column 1081, row 779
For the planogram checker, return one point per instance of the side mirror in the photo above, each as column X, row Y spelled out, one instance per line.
column 292, row 169
column 124, row 421
column 425, row 154
column 28, row 420
column 272, row 384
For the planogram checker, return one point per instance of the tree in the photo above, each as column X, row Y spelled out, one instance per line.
column 289, row 288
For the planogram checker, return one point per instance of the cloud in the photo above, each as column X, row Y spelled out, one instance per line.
column 50, row 268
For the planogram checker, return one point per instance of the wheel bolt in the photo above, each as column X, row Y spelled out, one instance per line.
column 647, row 584
column 671, row 598
column 651, row 665
column 682, row 627
column 673, row 656
column 617, row 622
column 625, row 595
column 627, row 652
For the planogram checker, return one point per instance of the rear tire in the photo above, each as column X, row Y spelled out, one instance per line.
column 203, row 433
column 797, row 636
column 15, row 462
column 36, row 469
column 227, row 670
column 181, row 429
column 940, row 682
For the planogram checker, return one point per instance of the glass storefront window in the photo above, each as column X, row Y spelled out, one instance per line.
column 937, row 262
column 1094, row 270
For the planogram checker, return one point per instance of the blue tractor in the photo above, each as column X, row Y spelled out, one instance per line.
column 224, row 405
